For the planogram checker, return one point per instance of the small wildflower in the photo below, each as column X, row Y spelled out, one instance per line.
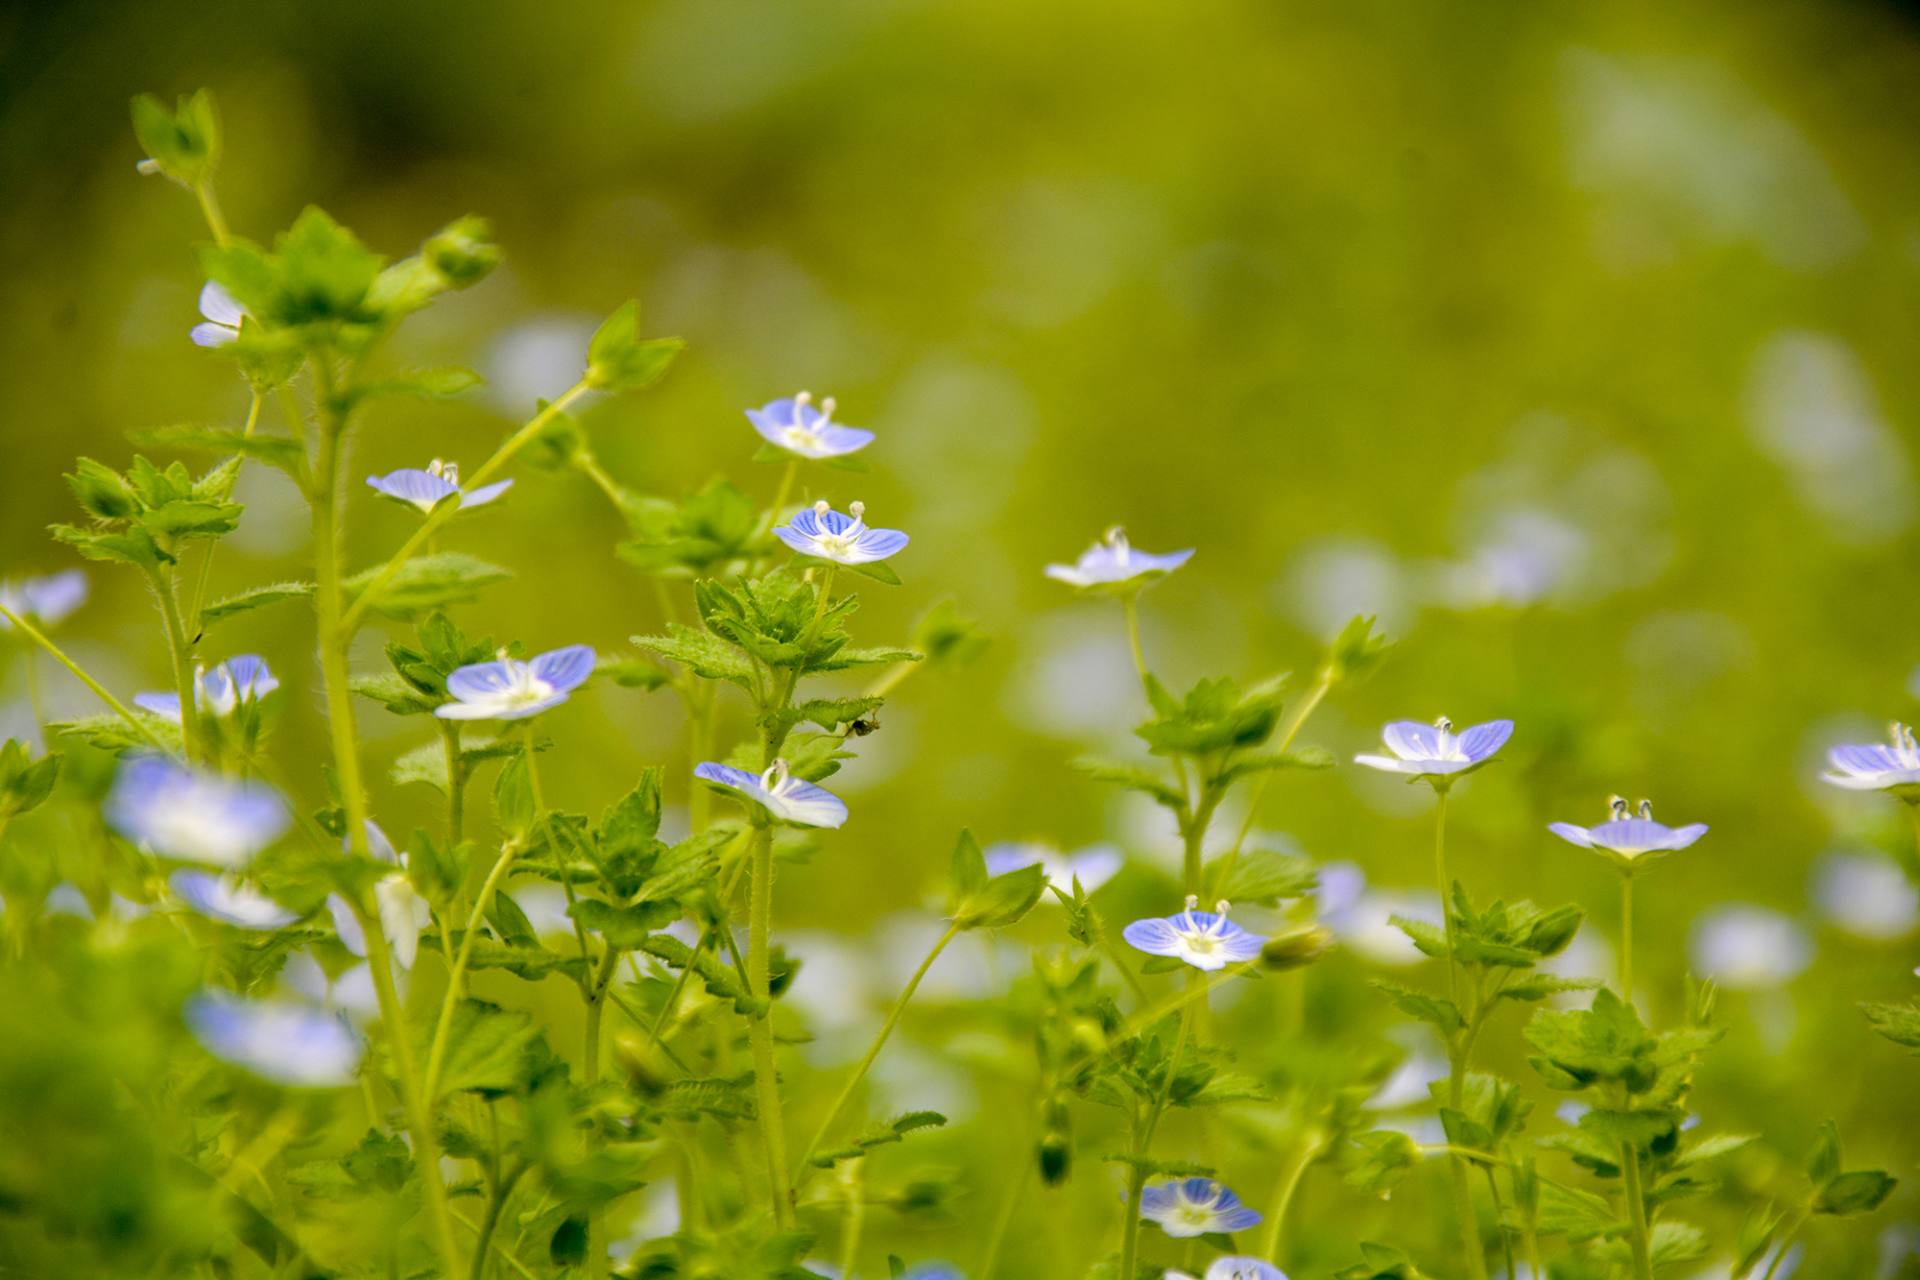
column 425, row 489
column 784, row 796
column 1092, row 866
column 822, row 532
column 509, row 689
column 1112, row 564
column 1204, row 939
column 403, row 912
column 228, row 900
column 1195, row 1207
column 45, row 601
column 219, row 691
column 223, row 316
column 1872, row 766
column 1232, row 1268
column 794, row 424
column 281, row 1040
column 1434, row 751
column 183, row 813
column 1628, row 836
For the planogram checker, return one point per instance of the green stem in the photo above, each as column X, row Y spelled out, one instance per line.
column 59, row 655
column 437, row 1051
column 1131, row 604
column 780, row 494
column 860, row 1068
column 1470, row 1241
column 1784, row 1239
column 178, row 651
column 346, row 759
column 1130, row 1234
column 443, row 513
column 456, row 783
column 1282, row 740
column 766, row 1081
column 210, row 209
column 1626, row 937
column 1445, row 886
column 1305, row 1155
column 1016, row 1189
column 496, row 1202
column 856, row 1198
column 1499, row 1219
column 1641, row 1238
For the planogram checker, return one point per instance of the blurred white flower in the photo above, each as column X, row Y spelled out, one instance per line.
column 1748, row 948
column 1866, row 895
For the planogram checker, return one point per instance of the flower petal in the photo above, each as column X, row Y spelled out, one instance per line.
column 1154, row 936
column 566, row 669
column 1572, row 834
column 1411, row 740
column 1482, row 740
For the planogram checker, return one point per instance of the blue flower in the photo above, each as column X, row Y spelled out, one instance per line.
column 509, row 689
column 1195, row 1207
column 804, row 431
column 1627, row 838
column 784, row 796
column 1204, row 939
column 46, row 601
column 822, row 532
column 1231, row 1268
column 223, row 314
column 183, row 813
column 226, row 899
column 1434, row 751
column 426, row 489
column 279, row 1039
column 237, row 682
column 1871, row 766
column 1112, row 565
column 1093, row 866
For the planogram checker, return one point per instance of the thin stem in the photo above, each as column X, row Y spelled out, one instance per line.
column 210, row 209
column 443, row 513
column 1305, row 1155
column 1445, row 886
column 1640, row 1238
column 766, row 1082
column 1016, row 1189
column 860, row 1068
column 206, row 561
column 1912, row 861
column 1282, row 740
column 495, row 1203
column 1499, row 1219
column 1784, row 1239
column 1131, row 604
column 1626, row 937
column 118, row 707
column 456, row 783
column 182, row 659
column 346, row 758
column 1130, row 1234
column 785, row 489
column 437, row 1051
column 855, row 1195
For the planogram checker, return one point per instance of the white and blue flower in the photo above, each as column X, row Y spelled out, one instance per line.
column 1093, row 866
column 229, row 900
column 1113, row 565
column 786, row 797
column 222, row 316
column 219, row 691
column 283, row 1041
column 795, row 425
column 44, row 601
column 1203, row 939
column 1195, row 1207
column 1434, row 751
column 1630, row 836
column 183, row 813
column 423, row 489
column 1872, row 766
column 509, row 689
column 1235, row 1268
column 826, row 534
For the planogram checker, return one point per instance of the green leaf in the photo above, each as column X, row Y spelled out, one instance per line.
column 705, row 655
column 1861, row 1191
column 280, row 452
column 25, row 783
column 254, row 598
column 1384, row 1158
column 488, row 1049
column 1260, row 876
column 880, row 1136
column 1133, row 778
column 426, row 583
column 421, row 384
column 1216, row 715
column 719, row 978
column 619, row 359
column 1823, row 1161
column 510, row 922
column 1437, row 1010
column 991, row 903
column 624, row 928
column 1899, row 1023
column 183, row 144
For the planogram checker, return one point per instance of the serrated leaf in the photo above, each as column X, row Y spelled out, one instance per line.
column 426, row 583
column 487, row 1049
column 254, row 598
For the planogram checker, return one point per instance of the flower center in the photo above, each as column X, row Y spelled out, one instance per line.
column 1905, row 749
column 523, row 686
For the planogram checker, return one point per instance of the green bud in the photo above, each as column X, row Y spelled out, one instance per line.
column 1295, row 948
column 463, row 252
column 183, row 144
column 618, row 359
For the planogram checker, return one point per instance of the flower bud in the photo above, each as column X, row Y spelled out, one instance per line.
column 1297, row 947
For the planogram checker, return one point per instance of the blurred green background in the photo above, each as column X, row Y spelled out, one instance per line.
column 1576, row 343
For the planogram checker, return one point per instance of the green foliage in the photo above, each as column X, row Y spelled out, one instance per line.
column 183, row 144
column 147, row 515
column 980, row 901
column 1216, row 715
column 25, row 783
column 619, row 359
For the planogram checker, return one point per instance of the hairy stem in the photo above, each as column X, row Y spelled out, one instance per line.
column 99, row 690
column 1641, row 1237
column 1137, row 1181
column 766, row 1081
column 180, row 654
column 860, row 1068
column 416, row 1099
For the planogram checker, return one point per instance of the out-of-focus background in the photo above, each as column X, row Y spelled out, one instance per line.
column 1577, row 344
